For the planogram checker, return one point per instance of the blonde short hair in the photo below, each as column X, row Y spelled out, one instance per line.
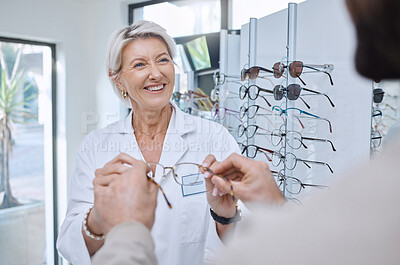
column 120, row 38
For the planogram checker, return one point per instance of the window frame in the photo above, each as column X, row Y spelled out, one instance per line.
column 53, row 200
column 226, row 7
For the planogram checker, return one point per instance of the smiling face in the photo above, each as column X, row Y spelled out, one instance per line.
column 147, row 74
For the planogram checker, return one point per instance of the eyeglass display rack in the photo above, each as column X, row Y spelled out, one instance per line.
column 288, row 180
column 384, row 113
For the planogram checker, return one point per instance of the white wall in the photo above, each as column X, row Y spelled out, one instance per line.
column 80, row 30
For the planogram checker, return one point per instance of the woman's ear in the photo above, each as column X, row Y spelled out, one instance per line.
column 117, row 81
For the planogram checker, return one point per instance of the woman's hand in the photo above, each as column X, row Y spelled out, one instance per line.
column 220, row 201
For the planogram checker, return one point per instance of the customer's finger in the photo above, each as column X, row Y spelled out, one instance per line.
column 122, row 158
column 104, row 180
column 235, row 161
column 137, row 176
column 235, row 175
column 115, row 168
column 225, row 187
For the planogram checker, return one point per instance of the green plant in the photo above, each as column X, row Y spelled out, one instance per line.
column 13, row 109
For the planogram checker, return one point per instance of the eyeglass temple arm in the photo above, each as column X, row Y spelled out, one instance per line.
column 265, row 90
column 236, row 117
column 269, row 120
column 267, row 110
column 313, row 68
column 330, row 124
column 391, row 107
column 304, row 83
column 320, row 140
column 230, row 76
column 266, row 155
column 265, row 130
column 265, row 69
column 269, row 104
column 315, row 116
column 301, row 124
column 308, row 113
column 282, row 134
column 162, row 191
column 319, row 93
column 314, row 185
column 317, row 162
column 305, row 103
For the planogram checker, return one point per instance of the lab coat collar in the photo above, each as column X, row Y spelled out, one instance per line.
column 180, row 123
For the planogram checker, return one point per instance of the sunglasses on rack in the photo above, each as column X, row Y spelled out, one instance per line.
column 378, row 94
column 296, row 69
column 253, row 72
column 293, row 92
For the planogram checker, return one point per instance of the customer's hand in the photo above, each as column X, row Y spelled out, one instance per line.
column 123, row 193
column 252, row 180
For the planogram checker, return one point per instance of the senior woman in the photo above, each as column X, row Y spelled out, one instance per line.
column 141, row 69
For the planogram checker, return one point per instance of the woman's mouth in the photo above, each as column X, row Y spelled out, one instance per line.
column 155, row 88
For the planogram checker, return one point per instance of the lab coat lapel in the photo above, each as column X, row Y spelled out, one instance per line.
column 175, row 146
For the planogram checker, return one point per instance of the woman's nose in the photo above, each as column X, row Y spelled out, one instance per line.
column 155, row 73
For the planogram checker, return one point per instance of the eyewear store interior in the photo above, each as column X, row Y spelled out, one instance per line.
column 279, row 76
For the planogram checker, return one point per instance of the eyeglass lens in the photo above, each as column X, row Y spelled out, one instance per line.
column 295, row 69
column 378, row 95
column 187, row 174
column 293, row 138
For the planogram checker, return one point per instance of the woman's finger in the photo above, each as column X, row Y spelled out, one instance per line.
column 209, row 160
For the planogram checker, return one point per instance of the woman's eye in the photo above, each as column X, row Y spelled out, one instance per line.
column 164, row 60
column 138, row 65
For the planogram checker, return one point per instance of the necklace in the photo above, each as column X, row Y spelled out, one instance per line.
column 149, row 135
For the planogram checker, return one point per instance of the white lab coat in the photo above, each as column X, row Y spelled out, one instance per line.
column 184, row 234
